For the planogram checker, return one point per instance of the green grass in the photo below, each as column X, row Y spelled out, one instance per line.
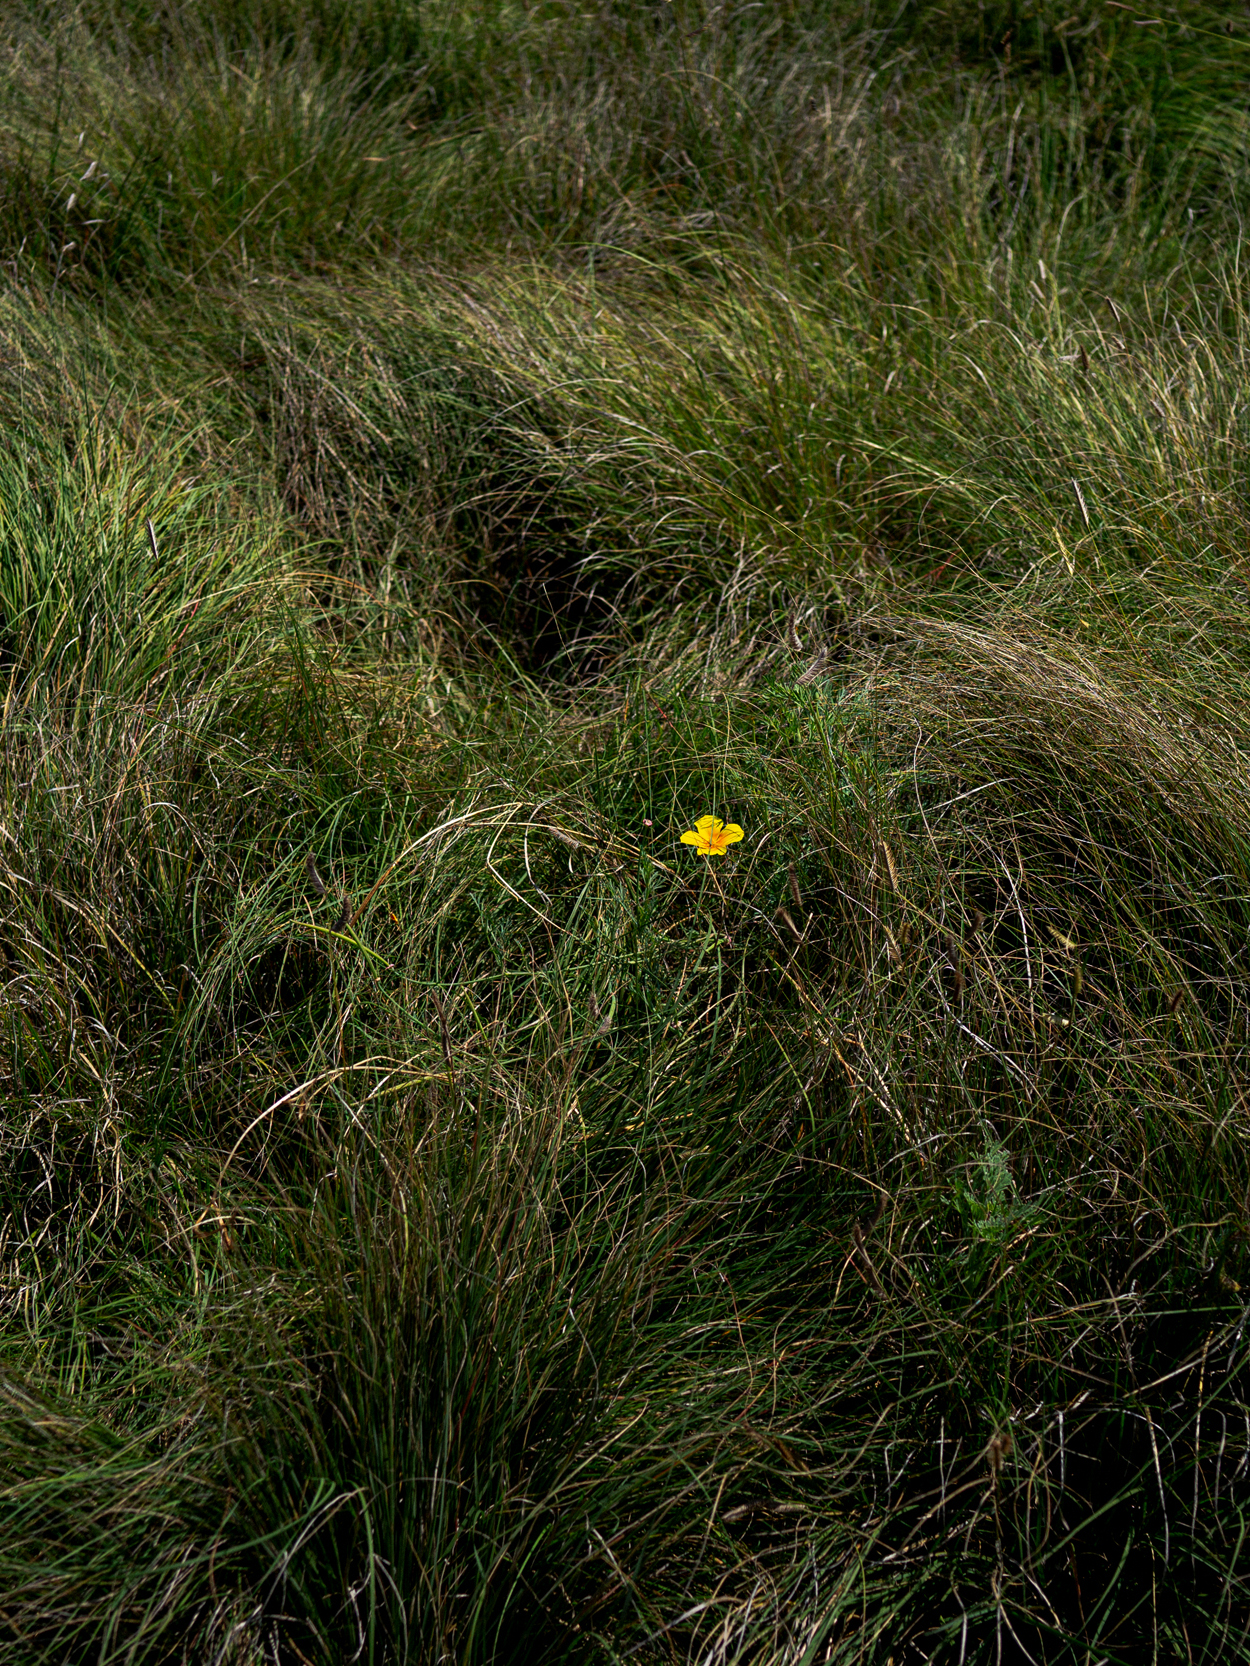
column 445, row 451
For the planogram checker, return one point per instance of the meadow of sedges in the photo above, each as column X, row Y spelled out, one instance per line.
column 445, row 453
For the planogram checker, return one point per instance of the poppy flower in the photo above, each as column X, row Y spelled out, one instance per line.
column 712, row 837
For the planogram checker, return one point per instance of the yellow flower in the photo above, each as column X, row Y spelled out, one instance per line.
column 711, row 837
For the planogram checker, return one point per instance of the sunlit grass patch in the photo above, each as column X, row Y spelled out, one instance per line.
column 624, row 841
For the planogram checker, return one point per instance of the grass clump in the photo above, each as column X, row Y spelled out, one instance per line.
column 444, row 1216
